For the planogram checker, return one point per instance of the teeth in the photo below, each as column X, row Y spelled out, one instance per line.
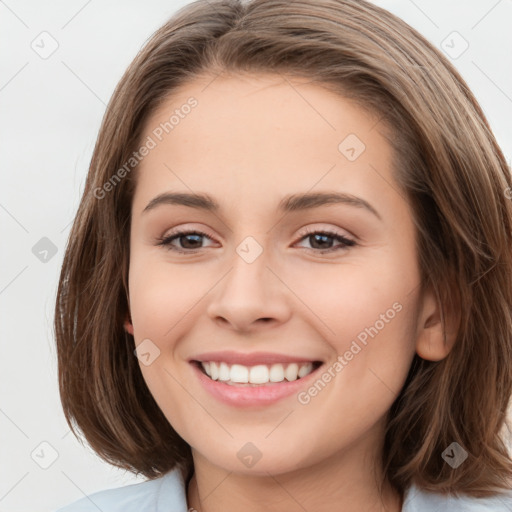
column 260, row 374
column 223, row 371
column 291, row 371
column 238, row 373
column 276, row 373
column 214, row 371
column 305, row 370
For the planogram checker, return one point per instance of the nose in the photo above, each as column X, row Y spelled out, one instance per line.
column 250, row 297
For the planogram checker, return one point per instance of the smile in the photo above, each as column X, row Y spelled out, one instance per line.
column 253, row 380
column 238, row 374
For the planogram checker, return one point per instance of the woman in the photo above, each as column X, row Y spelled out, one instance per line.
column 257, row 373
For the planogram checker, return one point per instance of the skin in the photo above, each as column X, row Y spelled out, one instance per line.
column 251, row 140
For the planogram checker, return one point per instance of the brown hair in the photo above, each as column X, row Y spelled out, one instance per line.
column 448, row 165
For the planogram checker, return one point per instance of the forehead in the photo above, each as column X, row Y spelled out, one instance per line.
column 260, row 137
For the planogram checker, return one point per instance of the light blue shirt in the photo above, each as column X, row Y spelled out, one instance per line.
column 168, row 494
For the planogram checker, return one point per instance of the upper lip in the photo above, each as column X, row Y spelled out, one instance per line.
column 250, row 359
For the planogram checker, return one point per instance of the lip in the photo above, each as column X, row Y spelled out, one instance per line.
column 258, row 396
column 231, row 357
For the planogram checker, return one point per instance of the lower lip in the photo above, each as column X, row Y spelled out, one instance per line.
column 250, row 396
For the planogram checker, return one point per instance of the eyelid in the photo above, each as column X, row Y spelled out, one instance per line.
column 308, row 230
column 178, row 232
column 346, row 242
column 186, row 228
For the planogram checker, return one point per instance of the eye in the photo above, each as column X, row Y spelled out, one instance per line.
column 321, row 239
column 190, row 237
column 318, row 238
column 193, row 241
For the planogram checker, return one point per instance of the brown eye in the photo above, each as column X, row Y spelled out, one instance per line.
column 321, row 241
column 189, row 241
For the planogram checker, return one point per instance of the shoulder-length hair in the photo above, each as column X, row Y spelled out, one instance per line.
column 447, row 163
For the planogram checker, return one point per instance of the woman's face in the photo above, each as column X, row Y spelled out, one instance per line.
column 284, row 276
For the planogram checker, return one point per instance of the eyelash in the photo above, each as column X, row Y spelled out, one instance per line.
column 346, row 242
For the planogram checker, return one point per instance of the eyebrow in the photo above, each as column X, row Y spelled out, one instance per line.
column 290, row 203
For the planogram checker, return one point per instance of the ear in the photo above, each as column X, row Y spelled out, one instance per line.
column 128, row 327
column 433, row 342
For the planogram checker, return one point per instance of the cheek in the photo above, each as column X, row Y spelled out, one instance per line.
column 163, row 297
column 373, row 348
column 369, row 310
column 164, row 302
column 351, row 296
column 365, row 312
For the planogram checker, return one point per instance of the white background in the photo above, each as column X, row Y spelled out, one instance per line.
column 51, row 112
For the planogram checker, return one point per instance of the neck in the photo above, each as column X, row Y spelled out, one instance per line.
column 345, row 481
